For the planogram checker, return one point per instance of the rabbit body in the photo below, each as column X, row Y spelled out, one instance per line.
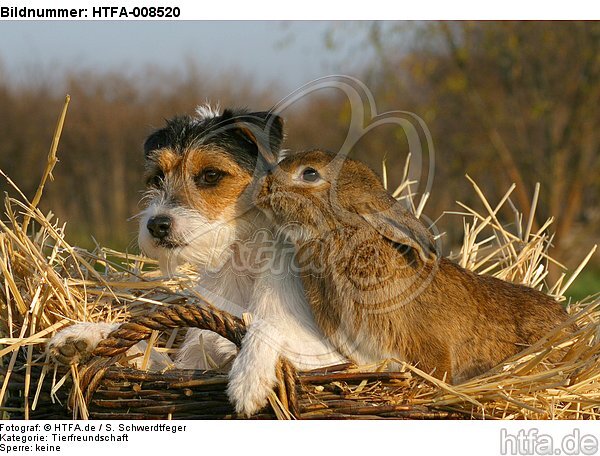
column 376, row 284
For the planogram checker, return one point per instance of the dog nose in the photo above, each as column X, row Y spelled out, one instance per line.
column 159, row 226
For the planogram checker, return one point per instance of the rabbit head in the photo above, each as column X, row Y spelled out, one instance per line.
column 310, row 193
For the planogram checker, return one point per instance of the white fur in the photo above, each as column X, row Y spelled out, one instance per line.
column 204, row 242
column 208, row 111
column 90, row 333
column 229, row 292
column 93, row 333
column 282, row 326
column 252, row 375
column 205, row 350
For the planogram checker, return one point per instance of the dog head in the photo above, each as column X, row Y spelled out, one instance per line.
column 198, row 174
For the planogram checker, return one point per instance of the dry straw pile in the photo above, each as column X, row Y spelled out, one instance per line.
column 46, row 284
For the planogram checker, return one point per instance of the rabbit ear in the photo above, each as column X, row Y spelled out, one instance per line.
column 400, row 226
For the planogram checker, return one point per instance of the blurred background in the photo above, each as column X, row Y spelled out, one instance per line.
column 504, row 101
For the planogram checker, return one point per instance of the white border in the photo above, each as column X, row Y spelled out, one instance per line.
column 350, row 9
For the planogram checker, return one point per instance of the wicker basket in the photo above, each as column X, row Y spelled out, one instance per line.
column 110, row 391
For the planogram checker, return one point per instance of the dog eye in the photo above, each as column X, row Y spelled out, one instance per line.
column 209, row 177
column 310, row 175
column 156, row 180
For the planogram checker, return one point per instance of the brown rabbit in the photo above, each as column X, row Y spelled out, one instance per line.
column 376, row 284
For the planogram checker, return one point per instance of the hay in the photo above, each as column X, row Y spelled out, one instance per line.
column 47, row 283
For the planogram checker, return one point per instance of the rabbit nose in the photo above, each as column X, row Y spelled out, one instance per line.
column 159, row 226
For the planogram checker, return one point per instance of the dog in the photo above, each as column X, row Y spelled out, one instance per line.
column 201, row 175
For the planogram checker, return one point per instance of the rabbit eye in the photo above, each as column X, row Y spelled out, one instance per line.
column 310, row 175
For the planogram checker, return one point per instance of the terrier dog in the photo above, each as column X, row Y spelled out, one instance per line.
column 199, row 209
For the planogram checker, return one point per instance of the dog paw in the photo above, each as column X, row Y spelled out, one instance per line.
column 74, row 344
column 249, row 389
column 248, row 395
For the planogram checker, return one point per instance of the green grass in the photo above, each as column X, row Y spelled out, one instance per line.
column 586, row 284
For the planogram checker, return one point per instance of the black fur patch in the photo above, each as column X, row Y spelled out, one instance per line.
column 225, row 131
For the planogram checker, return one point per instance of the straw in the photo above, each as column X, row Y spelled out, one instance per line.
column 46, row 283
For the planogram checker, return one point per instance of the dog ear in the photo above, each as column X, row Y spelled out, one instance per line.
column 175, row 133
column 398, row 225
column 264, row 130
column 155, row 141
column 257, row 132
